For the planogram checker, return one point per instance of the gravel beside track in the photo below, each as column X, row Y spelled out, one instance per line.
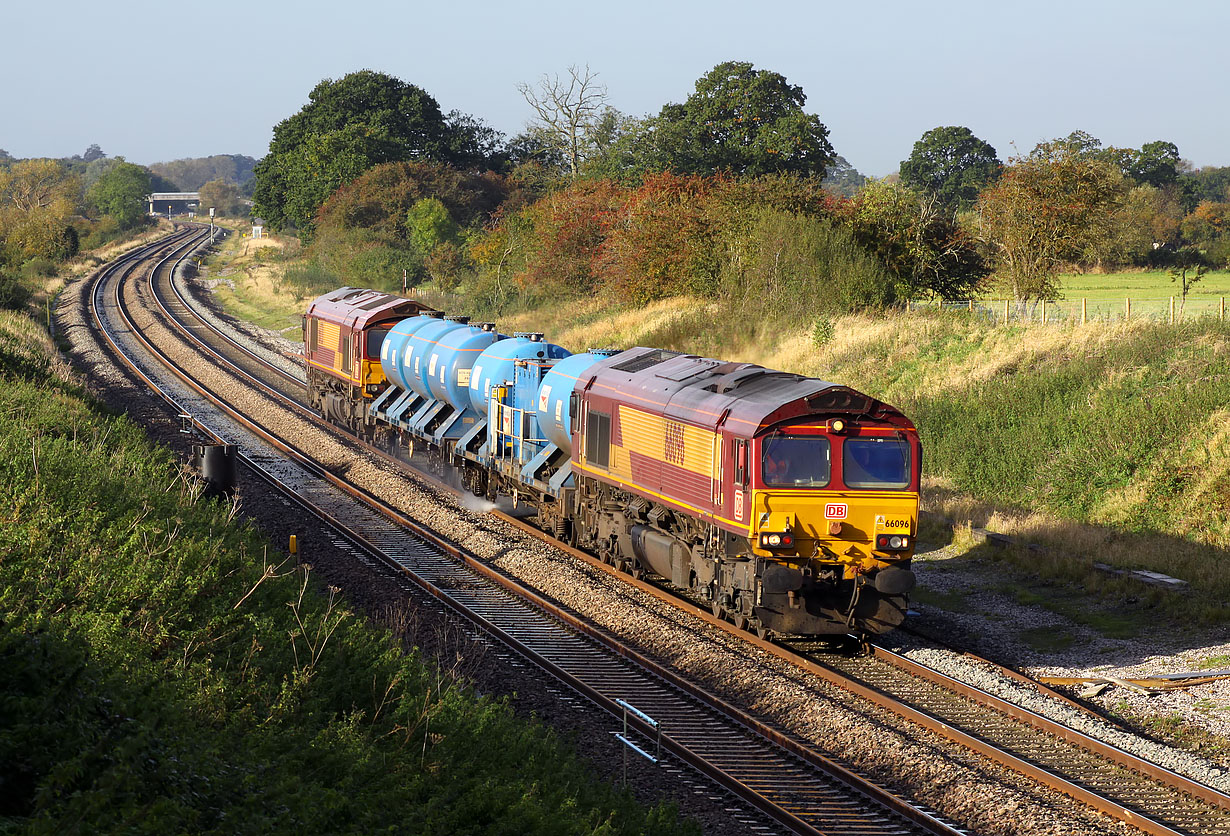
column 990, row 624
column 939, row 774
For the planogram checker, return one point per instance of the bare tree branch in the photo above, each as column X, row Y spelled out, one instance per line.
column 567, row 109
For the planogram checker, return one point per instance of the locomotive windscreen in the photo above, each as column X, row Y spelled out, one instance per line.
column 797, row 461
column 876, row 463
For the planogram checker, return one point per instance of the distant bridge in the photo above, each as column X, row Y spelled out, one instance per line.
column 173, row 203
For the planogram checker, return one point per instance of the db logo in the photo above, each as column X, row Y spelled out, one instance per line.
column 739, row 505
column 835, row 511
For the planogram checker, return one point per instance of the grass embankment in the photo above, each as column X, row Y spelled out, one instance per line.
column 154, row 678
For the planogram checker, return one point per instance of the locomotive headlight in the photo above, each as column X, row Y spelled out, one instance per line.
column 837, row 426
column 777, row 540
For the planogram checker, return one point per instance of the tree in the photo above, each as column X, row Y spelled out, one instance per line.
column 190, row 174
column 843, row 178
column 1211, row 183
column 1048, row 208
column 348, row 126
column 1186, row 273
column 568, row 111
column 475, row 145
column 37, row 200
column 922, row 246
column 1155, row 164
column 953, row 165
column 428, row 225
column 92, row 153
column 223, row 196
column 742, row 121
column 1207, row 228
column 121, row 193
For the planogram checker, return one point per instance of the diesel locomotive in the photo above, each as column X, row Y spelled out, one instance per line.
column 788, row 504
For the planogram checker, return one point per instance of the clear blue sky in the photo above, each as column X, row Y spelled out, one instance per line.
column 879, row 74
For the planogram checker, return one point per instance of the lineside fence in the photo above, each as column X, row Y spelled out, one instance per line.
column 1079, row 311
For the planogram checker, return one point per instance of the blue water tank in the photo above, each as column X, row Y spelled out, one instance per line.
column 418, row 352
column 393, row 351
column 451, row 361
column 497, row 365
column 555, row 393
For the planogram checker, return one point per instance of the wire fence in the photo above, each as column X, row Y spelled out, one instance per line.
column 1079, row 311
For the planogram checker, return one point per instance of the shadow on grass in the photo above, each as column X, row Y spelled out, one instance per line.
column 1041, row 600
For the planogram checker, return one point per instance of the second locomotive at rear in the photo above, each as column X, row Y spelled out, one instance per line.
column 786, row 503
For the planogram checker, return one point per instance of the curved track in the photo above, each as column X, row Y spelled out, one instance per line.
column 796, row 787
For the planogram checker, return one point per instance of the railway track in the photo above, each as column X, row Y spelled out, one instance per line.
column 1113, row 782
column 796, row 787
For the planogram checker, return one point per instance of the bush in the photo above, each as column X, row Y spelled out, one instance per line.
column 792, row 266
column 311, row 278
column 822, row 331
column 14, row 294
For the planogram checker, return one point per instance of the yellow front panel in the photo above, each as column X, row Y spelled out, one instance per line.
column 863, row 515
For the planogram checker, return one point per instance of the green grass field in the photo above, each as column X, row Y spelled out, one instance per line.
column 1115, row 287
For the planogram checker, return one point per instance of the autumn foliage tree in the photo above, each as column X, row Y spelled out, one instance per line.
column 1048, row 208
column 660, row 241
column 37, row 201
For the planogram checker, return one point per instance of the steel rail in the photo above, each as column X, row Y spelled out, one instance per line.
column 966, row 737
column 919, row 819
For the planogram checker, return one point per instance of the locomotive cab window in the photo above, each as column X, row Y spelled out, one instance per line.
column 882, row 463
column 598, row 439
column 795, row 461
column 740, row 457
column 375, row 339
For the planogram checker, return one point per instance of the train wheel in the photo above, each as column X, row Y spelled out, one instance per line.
column 740, row 622
column 763, row 632
column 717, row 609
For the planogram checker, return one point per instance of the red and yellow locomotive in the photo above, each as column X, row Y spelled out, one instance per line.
column 788, row 502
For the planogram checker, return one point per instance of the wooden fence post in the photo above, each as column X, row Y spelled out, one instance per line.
column 1043, row 311
column 1127, row 308
column 971, row 305
column 1222, row 315
column 1172, row 310
column 1083, row 310
column 1006, row 311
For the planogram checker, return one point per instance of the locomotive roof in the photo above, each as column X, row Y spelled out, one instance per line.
column 744, row 397
column 359, row 307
